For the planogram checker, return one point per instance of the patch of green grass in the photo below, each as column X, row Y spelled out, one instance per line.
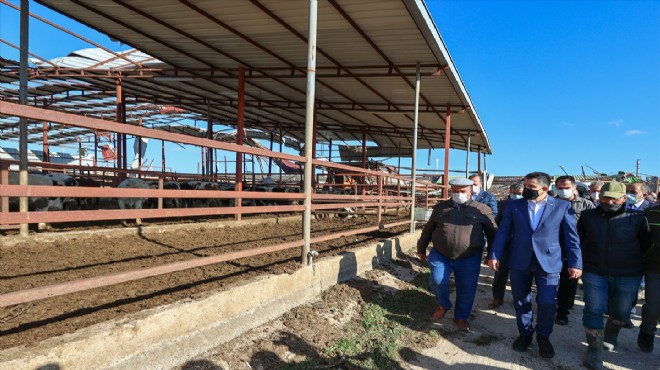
column 386, row 326
column 345, row 347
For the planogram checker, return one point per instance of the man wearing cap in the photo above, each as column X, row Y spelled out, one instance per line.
column 532, row 233
column 567, row 190
column 457, row 227
column 613, row 239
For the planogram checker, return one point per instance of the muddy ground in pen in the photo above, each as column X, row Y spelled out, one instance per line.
column 29, row 265
column 381, row 320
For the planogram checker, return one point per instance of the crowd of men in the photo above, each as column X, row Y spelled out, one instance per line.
column 552, row 237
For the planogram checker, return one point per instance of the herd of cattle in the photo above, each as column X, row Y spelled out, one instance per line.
column 81, row 203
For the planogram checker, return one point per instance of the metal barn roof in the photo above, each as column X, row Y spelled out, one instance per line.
column 366, row 56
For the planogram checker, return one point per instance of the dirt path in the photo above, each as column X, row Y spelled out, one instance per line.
column 381, row 321
column 30, row 265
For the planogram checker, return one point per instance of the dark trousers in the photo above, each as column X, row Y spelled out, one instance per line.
column 546, row 298
column 500, row 279
column 651, row 309
column 566, row 292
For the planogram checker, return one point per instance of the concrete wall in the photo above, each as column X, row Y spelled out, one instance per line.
column 168, row 335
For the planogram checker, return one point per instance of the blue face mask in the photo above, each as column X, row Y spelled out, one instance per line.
column 631, row 198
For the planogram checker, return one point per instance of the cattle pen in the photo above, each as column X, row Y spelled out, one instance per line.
column 269, row 74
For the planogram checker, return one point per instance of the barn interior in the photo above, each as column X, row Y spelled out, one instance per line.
column 290, row 108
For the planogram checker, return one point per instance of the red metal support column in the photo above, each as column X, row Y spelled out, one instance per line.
column 363, row 181
column 23, row 99
column 270, row 159
column 445, row 179
column 124, row 146
column 162, row 155
column 209, row 135
column 161, row 184
column 4, row 180
column 119, row 116
column 96, row 148
column 45, row 146
column 240, row 129
column 380, row 200
column 364, row 147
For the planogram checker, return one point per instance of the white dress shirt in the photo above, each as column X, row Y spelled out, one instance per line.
column 535, row 210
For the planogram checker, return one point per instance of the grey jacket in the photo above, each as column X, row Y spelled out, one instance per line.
column 580, row 204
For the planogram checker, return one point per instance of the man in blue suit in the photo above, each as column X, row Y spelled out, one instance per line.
column 532, row 233
column 482, row 196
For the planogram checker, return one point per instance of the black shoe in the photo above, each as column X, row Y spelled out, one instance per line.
column 561, row 320
column 521, row 343
column 629, row 324
column 545, row 347
column 645, row 342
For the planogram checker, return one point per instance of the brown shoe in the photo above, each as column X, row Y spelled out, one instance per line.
column 439, row 314
column 462, row 324
column 495, row 304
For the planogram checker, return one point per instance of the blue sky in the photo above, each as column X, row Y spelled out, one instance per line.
column 555, row 83
column 560, row 82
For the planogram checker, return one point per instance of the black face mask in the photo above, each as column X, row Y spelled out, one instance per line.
column 610, row 208
column 530, row 194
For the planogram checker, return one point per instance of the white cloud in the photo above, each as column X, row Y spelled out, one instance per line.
column 566, row 124
column 635, row 132
column 616, row 122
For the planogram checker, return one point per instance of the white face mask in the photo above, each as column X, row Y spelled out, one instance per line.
column 475, row 189
column 595, row 195
column 459, row 198
column 515, row 196
column 564, row 193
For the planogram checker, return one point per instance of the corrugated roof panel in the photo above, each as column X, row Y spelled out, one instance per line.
column 401, row 32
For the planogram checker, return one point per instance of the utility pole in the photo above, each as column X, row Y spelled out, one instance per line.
column 637, row 169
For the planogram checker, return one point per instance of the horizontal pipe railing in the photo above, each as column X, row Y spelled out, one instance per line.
column 383, row 183
column 53, row 116
column 54, row 290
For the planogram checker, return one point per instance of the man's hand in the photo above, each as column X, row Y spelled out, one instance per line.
column 421, row 256
column 574, row 273
column 494, row 264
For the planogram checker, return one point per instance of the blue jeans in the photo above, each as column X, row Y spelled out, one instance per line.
column 651, row 308
column 546, row 299
column 607, row 293
column 466, row 276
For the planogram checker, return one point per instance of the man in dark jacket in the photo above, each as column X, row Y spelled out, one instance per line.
column 651, row 308
column 502, row 274
column 482, row 196
column 612, row 240
column 457, row 228
column 567, row 190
